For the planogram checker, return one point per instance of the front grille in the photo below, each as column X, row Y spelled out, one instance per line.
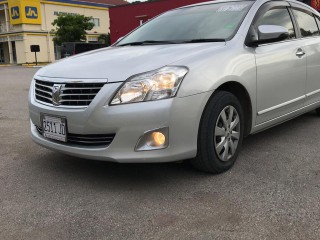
column 71, row 94
column 93, row 140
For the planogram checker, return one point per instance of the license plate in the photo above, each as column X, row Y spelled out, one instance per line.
column 54, row 128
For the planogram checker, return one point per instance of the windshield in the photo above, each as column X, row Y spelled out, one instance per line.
column 218, row 21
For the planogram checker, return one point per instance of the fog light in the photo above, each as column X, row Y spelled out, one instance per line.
column 153, row 140
column 158, row 139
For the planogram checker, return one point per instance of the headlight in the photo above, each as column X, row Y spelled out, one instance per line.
column 159, row 84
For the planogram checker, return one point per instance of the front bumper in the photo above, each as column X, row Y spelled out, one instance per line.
column 128, row 122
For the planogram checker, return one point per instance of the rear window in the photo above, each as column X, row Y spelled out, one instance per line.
column 307, row 23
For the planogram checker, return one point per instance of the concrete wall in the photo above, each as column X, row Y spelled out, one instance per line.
column 49, row 11
column 20, row 50
column 46, row 53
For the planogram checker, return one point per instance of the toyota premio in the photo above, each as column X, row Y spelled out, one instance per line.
column 188, row 84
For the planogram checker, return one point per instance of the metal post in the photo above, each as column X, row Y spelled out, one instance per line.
column 36, row 58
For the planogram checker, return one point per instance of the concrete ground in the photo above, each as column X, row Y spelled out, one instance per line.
column 273, row 191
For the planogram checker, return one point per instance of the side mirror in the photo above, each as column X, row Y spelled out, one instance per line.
column 268, row 34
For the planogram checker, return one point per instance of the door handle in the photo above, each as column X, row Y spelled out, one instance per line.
column 300, row 53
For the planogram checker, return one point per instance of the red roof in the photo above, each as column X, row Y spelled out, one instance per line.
column 108, row 2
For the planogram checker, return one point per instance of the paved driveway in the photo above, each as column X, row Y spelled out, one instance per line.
column 273, row 191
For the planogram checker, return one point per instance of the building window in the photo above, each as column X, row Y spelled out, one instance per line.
column 92, row 39
column 96, row 22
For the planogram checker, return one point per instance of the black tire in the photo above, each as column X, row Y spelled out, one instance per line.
column 318, row 111
column 207, row 158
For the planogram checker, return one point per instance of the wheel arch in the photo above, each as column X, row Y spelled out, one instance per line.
column 243, row 96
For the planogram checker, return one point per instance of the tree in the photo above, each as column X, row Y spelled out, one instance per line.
column 71, row 28
column 105, row 39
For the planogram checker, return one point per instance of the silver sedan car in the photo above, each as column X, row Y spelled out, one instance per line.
column 189, row 84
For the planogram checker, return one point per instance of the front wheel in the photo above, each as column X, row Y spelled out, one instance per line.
column 220, row 133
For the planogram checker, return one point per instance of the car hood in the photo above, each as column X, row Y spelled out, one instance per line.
column 116, row 64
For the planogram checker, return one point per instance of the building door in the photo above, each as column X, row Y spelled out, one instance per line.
column 1, row 53
column 14, row 52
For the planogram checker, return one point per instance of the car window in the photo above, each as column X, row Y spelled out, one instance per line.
column 211, row 21
column 277, row 16
column 307, row 23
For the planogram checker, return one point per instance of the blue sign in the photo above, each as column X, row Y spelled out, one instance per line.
column 31, row 12
column 15, row 13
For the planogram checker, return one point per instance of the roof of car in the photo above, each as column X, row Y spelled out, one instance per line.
column 262, row 1
column 218, row 1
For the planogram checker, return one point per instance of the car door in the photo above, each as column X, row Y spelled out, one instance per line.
column 281, row 66
column 308, row 24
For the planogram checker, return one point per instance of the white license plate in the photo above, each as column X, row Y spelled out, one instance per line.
column 54, row 128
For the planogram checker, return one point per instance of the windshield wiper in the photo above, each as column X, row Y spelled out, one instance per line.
column 151, row 42
column 147, row 42
column 200, row 40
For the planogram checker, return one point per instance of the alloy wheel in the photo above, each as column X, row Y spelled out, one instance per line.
column 227, row 133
